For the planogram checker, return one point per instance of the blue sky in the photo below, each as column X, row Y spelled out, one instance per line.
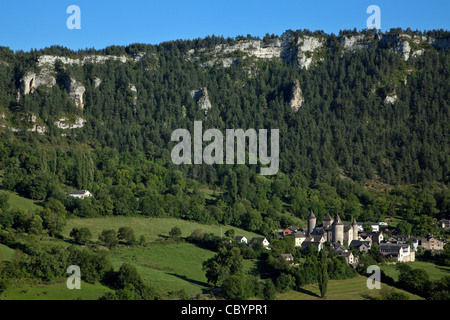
column 37, row 24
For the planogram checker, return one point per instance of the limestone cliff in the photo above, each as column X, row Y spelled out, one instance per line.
column 65, row 123
column 202, row 98
column 296, row 96
column 305, row 51
column 76, row 91
column 31, row 81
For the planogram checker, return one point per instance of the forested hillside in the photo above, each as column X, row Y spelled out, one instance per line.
column 369, row 139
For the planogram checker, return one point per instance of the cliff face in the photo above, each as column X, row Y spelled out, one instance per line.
column 76, row 91
column 202, row 98
column 296, row 96
column 305, row 51
column 65, row 123
column 31, row 81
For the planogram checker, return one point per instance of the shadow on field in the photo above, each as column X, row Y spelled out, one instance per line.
column 308, row 292
column 443, row 269
column 199, row 283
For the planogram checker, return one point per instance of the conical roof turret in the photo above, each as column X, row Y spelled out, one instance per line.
column 337, row 220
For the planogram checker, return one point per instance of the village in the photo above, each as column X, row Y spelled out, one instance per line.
column 350, row 240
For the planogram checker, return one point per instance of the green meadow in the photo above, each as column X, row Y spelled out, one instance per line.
column 167, row 267
column 171, row 267
column 348, row 289
column 434, row 271
column 151, row 228
column 18, row 202
column 58, row 291
column 6, row 253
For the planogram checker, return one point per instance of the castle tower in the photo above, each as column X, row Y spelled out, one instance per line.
column 338, row 230
column 355, row 229
column 327, row 221
column 311, row 223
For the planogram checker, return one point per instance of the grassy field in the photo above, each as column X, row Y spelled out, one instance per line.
column 18, row 202
column 166, row 267
column 170, row 267
column 349, row 289
column 6, row 253
column 57, row 291
column 151, row 228
column 435, row 272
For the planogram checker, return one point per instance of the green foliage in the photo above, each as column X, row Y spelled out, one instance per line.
column 175, row 232
column 225, row 263
column 230, row 233
column 413, row 280
column 322, row 273
column 81, row 235
column 285, row 282
column 391, row 294
column 238, row 287
column 128, row 285
column 109, row 238
column 127, row 235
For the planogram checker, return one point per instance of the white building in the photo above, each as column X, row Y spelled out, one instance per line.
column 400, row 252
column 81, row 194
column 263, row 241
column 240, row 239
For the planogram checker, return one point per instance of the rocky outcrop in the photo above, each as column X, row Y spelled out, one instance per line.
column 32, row 118
column 39, row 129
column 307, row 48
column 138, row 57
column 390, row 98
column 133, row 90
column 296, row 96
column 48, row 61
column 97, row 82
column 356, row 42
column 221, row 54
column 201, row 97
column 31, row 81
column 76, row 91
column 65, row 123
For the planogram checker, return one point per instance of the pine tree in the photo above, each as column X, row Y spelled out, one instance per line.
column 322, row 273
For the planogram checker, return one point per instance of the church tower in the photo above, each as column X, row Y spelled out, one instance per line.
column 355, row 229
column 311, row 223
column 327, row 221
column 338, row 230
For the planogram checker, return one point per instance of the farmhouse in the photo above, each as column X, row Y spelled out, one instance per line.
column 289, row 230
column 404, row 239
column 372, row 237
column 299, row 237
column 263, row 241
column 445, row 224
column 287, row 257
column 240, row 239
column 81, row 194
column 362, row 246
column 374, row 226
column 316, row 241
column 431, row 243
column 400, row 252
column 339, row 248
column 349, row 257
